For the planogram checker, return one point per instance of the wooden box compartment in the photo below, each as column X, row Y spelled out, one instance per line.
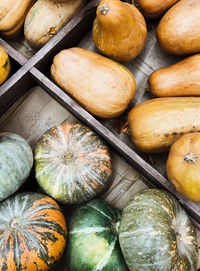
column 36, row 71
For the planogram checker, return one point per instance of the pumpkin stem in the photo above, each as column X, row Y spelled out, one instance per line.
column 191, row 158
column 103, row 9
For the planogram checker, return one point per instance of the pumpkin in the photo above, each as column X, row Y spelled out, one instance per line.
column 32, row 233
column 12, row 15
column 154, row 8
column 119, row 30
column 182, row 166
column 157, row 123
column 156, row 234
column 53, row 15
column 109, row 87
column 179, row 29
column 93, row 241
column 180, row 79
column 16, row 160
column 4, row 65
column 72, row 163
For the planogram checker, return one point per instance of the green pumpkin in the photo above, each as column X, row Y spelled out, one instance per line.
column 16, row 160
column 156, row 234
column 72, row 163
column 93, row 242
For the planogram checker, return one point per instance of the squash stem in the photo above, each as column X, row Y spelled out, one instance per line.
column 191, row 158
column 103, row 9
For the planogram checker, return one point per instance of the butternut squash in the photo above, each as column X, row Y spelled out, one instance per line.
column 12, row 15
column 46, row 18
column 104, row 87
column 119, row 30
column 179, row 29
column 180, row 79
column 4, row 65
column 183, row 165
column 154, row 8
column 157, row 123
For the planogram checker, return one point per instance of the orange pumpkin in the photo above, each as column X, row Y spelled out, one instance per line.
column 119, row 30
column 183, row 165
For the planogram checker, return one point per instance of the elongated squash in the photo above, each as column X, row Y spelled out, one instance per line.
column 104, row 87
column 157, row 123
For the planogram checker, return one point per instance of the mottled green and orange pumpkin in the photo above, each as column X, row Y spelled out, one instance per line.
column 16, row 160
column 156, row 234
column 32, row 233
column 93, row 239
column 72, row 163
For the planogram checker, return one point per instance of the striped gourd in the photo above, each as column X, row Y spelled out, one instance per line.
column 72, row 163
column 32, row 233
column 93, row 242
column 156, row 234
column 16, row 160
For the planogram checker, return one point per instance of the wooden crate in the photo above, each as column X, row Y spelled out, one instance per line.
column 30, row 103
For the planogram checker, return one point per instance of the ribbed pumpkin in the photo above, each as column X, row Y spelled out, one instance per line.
column 93, row 242
column 4, row 65
column 32, row 233
column 72, row 163
column 156, row 234
column 16, row 160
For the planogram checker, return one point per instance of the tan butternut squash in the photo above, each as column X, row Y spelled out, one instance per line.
column 154, row 8
column 46, row 18
column 180, row 79
column 179, row 29
column 12, row 15
column 157, row 123
column 103, row 86
column 119, row 30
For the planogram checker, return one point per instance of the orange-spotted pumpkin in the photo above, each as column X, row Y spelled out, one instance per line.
column 33, row 233
column 119, row 30
column 183, row 165
column 4, row 65
column 72, row 163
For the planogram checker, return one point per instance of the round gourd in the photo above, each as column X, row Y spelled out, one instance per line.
column 16, row 160
column 156, row 234
column 93, row 243
column 32, row 233
column 183, row 165
column 119, row 30
column 4, row 65
column 72, row 163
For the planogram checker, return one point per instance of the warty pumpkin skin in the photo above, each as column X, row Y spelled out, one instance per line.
column 157, row 123
column 4, row 65
column 179, row 29
column 180, row 79
column 12, row 15
column 53, row 15
column 16, row 160
column 72, row 163
column 183, row 165
column 32, row 233
column 119, row 30
column 104, row 87
column 156, row 234
column 154, row 8
column 93, row 239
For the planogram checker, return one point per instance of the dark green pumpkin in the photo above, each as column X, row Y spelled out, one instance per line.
column 32, row 233
column 16, row 160
column 93, row 242
column 72, row 163
column 156, row 234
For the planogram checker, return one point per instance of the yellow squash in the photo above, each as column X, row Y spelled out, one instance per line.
column 119, row 30
column 157, row 123
column 180, row 79
column 4, row 65
column 183, row 165
column 104, row 87
column 179, row 29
